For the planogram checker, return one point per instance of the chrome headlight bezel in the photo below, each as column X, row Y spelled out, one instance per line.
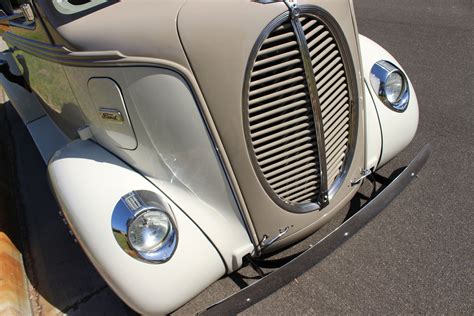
column 379, row 75
column 131, row 207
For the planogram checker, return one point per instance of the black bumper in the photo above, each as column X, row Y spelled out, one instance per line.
column 296, row 267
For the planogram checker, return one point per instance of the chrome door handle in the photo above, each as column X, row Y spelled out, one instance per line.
column 27, row 12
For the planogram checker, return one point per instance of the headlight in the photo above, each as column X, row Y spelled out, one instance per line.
column 148, row 230
column 143, row 226
column 391, row 85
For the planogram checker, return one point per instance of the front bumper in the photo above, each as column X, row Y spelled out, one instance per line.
column 296, row 267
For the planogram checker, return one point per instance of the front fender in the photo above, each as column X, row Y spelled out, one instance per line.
column 88, row 182
column 397, row 129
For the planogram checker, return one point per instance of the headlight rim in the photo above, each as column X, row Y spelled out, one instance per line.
column 123, row 216
column 379, row 75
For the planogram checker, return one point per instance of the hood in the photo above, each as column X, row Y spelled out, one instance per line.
column 218, row 38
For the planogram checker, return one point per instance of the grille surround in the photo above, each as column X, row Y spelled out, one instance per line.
column 332, row 26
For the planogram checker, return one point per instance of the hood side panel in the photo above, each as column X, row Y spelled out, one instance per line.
column 148, row 32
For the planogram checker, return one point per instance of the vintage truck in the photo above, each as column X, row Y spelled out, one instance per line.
column 185, row 138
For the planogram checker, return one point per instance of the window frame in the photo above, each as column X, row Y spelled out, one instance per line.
column 57, row 18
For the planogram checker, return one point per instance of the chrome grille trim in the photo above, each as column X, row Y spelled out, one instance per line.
column 323, row 198
column 333, row 91
column 299, row 114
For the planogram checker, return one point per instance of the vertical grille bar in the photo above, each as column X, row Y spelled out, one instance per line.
column 314, row 97
column 332, row 85
column 280, row 122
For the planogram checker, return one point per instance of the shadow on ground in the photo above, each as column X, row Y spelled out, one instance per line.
column 56, row 266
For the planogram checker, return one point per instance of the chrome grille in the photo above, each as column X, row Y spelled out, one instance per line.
column 279, row 111
column 333, row 93
column 280, row 119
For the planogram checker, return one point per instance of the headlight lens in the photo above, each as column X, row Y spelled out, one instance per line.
column 148, row 230
column 391, row 85
column 394, row 87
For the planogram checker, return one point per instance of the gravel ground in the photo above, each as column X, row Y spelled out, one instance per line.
column 416, row 257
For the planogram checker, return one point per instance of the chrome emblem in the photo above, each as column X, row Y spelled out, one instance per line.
column 111, row 115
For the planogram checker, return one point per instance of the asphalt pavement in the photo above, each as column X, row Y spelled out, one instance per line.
column 415, row 257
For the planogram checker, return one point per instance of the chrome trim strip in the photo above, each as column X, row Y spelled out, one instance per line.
column 267, row 285
column 314, row 98
column 59, row 54
column 324, row 17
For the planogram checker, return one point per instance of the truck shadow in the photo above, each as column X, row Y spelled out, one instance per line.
column 55, row 265
column 378, row 183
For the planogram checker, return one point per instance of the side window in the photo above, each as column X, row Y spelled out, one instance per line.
column 59, row 12
column 75, row 6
